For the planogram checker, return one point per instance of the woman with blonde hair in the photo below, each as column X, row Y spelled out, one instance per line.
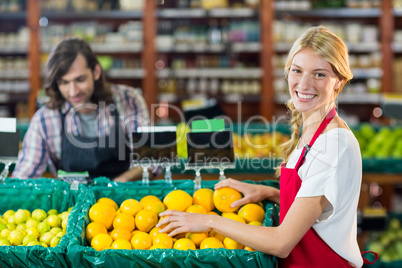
column 320, row 176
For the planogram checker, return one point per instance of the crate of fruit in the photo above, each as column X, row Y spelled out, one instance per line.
column 35, row 222
column 117, row 227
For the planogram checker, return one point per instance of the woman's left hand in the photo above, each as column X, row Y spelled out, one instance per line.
column 177, row 222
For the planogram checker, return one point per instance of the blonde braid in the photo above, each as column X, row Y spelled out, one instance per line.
column 288, row 147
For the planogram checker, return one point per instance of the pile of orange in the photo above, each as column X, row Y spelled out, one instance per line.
column 132, row 224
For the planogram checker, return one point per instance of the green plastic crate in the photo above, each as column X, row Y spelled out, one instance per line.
column 81, row 255
column 31, row 194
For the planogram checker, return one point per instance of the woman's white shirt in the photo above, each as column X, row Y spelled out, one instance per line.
column 333, row 168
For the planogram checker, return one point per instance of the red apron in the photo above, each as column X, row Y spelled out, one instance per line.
column 311, row 251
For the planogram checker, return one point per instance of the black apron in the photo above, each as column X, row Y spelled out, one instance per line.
column 100, row 159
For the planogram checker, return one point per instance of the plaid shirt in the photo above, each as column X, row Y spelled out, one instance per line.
column 42, row 142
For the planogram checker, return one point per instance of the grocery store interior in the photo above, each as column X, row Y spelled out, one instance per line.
column 226, row 58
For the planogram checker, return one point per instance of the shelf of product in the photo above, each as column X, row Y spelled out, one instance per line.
column 93, row 15
column 14, row 73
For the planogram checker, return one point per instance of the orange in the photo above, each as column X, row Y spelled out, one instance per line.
column 94, row 228
column 204, row 197
column 141, row 240
column 121, row 244
column 257, row 223
column 224, row 197
column 197, row 238
column 232, row 244
column 153, row 203
column 154, row 231
column 106, row 200
column 212, row 213
column 130, row 206
column 102, row 213
column 101, row 241
column 217, row 235
column 248, row 248
column 124, row 220
column 184, row 244
column 252, row 212
column 233, row 216
column 211, row 242
column 178, row 200
column 163, row 240
column 163, row 226
column 134, row 232
column 121, row 233
column 196, row 209
column 118, row 211
column 145, row 220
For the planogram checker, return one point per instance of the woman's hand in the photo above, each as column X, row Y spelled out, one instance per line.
column 177, row 222
column 252, row 193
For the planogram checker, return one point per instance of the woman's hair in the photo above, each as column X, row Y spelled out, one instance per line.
column 328, row 47
column 60, row 60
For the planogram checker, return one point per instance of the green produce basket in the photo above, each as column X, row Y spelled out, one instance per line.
column 396, row 231
column 79, row 254
column 44, row 194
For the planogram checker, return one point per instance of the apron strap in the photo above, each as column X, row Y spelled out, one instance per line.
column 331, row 114
column 366, row 261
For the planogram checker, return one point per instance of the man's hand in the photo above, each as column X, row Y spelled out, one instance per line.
column 133, row 174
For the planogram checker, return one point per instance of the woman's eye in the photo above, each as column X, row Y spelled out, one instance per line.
column 296, row 71
column 320, row 75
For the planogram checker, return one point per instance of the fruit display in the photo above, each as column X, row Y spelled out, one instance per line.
column 383, row 143
column 259, row 145
column 388, row 244
column 26, row 228
column 131, row 225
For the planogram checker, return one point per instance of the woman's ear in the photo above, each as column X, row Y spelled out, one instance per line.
column 97, row 72
column 338, row 85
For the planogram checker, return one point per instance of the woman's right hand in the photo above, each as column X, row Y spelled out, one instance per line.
column 252, row 193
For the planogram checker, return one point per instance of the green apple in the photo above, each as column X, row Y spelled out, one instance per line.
column 43, row 227
column 29, row 238
column 21, row 227
column 31, row 223
column 2, row 227
column 55, row 241
column 11, row 226
column 64, row 224
column 53, row 212
column 16, row 237
column 53, row 220
column 55, row 230
column 46, row 238
column 32, row 231
column 34, row 243
column 4, row 242
column 5, row 233
column 20, row 216
column 8, row 213
column 394, row 224
column 11, row 219
column 39, row 214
